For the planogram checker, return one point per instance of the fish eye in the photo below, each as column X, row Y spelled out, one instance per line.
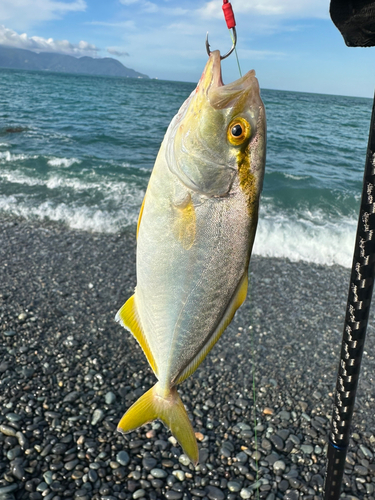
column 238, row 131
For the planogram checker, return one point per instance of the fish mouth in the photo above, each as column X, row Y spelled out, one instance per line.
column 220, row 95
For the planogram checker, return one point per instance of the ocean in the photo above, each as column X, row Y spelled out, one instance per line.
column 79, row 150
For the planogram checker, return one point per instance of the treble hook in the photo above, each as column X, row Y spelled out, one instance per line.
column 234, row 38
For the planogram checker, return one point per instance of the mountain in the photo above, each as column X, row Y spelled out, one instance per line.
column 48, row 61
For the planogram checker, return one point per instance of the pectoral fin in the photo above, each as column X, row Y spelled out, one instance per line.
column 128, row 317
column 168, row 407
column 237, row 300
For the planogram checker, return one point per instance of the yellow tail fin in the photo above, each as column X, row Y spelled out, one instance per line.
column 170, row 410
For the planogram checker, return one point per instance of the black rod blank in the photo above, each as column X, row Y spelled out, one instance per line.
column 357, row 312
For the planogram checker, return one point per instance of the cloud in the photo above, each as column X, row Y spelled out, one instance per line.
column 279, row 8
column 21, row 14
column 10, row 38
column 115, row 24
column 115, row 51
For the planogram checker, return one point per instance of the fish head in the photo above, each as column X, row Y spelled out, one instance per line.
column 219, row 135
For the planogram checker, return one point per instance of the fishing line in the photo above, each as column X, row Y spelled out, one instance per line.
column 252, row 348
column 235, row 51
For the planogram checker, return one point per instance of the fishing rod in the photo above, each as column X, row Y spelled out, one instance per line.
column 355, row 19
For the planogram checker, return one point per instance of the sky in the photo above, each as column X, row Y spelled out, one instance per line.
column 291, row 44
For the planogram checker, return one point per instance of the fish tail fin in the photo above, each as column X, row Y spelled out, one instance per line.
column 168, row 407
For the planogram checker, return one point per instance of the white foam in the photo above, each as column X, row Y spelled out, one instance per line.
column 17, row 177
column 8, row 156
column 62, row 162
column 96, row 219
column 309, row 237
column 295, row 177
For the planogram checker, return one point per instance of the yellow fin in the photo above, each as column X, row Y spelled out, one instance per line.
column 184, row 227
column 128, row 317
column 168, row 407
column 141, row 213
column 237, row 300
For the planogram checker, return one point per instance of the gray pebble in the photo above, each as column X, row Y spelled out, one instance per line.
column 110, row 398
column 139, row 494
column 214, row 493
column 48, row 476
column 277, row 442
column 149, row 463
column 13, row 417
column 122, row 458
column 369, row 488
column 71, row 464
column 362, row 471
column 9, row 333
column 184, row 459
column 22, row 440
column 234, row 486
column 92, row 475
column 295, row 440
column 7, row 430
column 8, row 489
column 266, row 445
column 97, row 416
column 241, row 457
column 158, row 473
column 291, row 495
column 17, row 470
column 284, row 415
column 14, row 453
column 42, row 487
column 7, row 496
column 367, row 453
column 245, row 493
column 293, row 473
column 279, row 466
column 283, row 485
column 72, row 397
column 180, row 474
column 307, row 449
column 173, row 495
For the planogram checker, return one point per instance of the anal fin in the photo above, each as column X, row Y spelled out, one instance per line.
column 128, row 317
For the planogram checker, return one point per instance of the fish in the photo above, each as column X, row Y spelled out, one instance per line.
column 195, row 234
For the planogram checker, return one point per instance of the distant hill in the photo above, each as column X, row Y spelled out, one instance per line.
column 49, row 61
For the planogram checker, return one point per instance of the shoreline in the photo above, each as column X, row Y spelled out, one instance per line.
column 68, row 372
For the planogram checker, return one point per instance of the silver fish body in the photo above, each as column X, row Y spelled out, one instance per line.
column 195, row 234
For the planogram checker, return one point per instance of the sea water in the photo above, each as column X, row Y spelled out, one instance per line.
column 79, row 150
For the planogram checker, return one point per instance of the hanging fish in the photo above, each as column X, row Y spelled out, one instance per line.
column 194, row 238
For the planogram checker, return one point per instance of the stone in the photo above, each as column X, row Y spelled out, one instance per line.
column 214, row 493
column 158, row 473
column 110, row 398
column 97, row 416
column 122, row 458
column 279, row 466
column 233, row 486
column 245, row 493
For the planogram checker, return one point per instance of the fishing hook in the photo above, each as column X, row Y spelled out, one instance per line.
column 234, row 38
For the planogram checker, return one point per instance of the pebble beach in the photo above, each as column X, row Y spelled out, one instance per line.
column 68, row 372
